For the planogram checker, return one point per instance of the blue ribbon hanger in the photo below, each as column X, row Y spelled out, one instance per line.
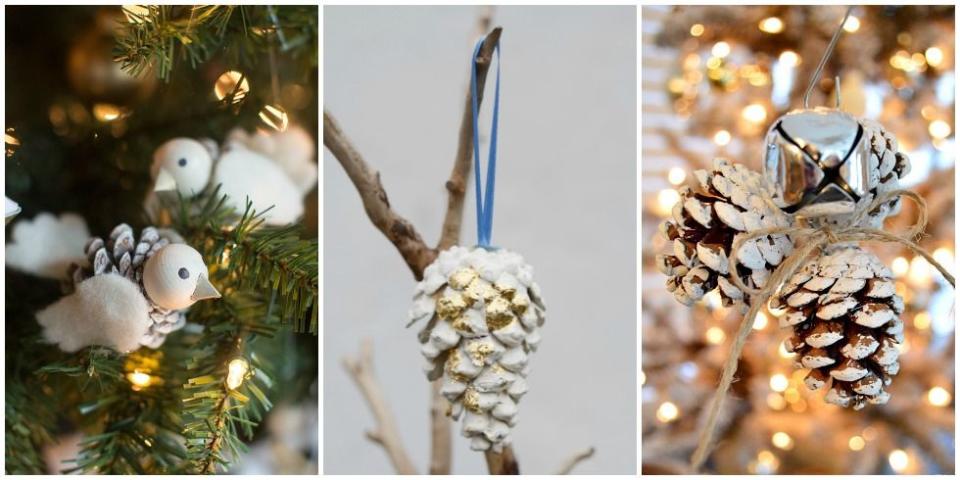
column 484, row 201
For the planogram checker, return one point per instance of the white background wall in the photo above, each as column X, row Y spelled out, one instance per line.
column 566, row 193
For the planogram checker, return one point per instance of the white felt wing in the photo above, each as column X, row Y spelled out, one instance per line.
column 47, row 245
column 244, row 173
column 106, row 310
column 293, row 149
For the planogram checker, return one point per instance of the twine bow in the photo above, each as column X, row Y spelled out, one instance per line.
column 814, row 239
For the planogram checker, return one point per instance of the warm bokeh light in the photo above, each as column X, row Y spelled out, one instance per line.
column 900, row 266
column 715, row 335
column 939, row 129
column 106, row 112
column 852, row 24
column 139, row 380
column 666, row 199
column 237, row 372
column 944, row 256
column 920, row 273
column 939, row 397
column 898, row 460
column 790, row 58
column 755, row 113
column 275, row 117
column 677, row 175
column 856, row 443
column 779, row 382
column 767, row 463
column 921, row 321
column 782, row 441
column 760, row 322
column 720, row 49
column 667, row 412
column 776, row 401
column 696, row 30
column 771, row 25
column 231, row 82
column 722, row 138
column 934, row 56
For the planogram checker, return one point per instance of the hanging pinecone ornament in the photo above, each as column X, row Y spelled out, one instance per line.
column 887, row 166
column 483, row 312
column 133, row 292
column 845, row 315
column 728, row 200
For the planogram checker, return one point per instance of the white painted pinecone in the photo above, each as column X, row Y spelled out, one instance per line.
column 887, row 166
column 483, row 313
column 123, row 254
column 845, row 315
column 728, row 200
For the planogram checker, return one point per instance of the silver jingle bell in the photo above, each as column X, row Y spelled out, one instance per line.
column 818, row 161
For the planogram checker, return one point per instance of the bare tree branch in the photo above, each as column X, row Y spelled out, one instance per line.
column 457, row 184
column 367, row 180
column 386, row 433
column 440, row 441
column 503, row 463
column 574, row 460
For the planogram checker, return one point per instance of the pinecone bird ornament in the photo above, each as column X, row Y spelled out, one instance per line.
column 133, row 292
column 728, row 200
column 483, row 313
column 845, row 315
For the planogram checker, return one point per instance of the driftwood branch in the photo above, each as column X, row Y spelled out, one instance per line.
column 502, row 463
column 440, row 441
column 575, row 460
column 386, row 433
column 457, row 184
column 398, row 230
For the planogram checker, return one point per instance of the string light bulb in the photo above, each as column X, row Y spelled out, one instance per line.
column 667, row 412
column 939, row 397
column 898, row 460
column 237, row 371
column 771, row 25
column 139, row 380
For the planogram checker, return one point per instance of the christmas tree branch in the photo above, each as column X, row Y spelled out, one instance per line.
column 386, row 433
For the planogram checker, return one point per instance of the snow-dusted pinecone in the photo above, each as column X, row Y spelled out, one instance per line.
column 845, row 315
column 887, row 166
column 484, row 314
column 122, row 254
column 728, row 200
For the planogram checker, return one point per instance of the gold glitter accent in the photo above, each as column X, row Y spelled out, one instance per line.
column 453, row 361
column 506, row 290
column 471, row 400
column 520, row 304
column 498, row 314
column 479, row 288
column 479, row 351
column 450, row 307
column 461, row 324
column 461, row 278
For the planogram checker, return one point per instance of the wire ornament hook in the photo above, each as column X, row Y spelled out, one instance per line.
column 823, row 61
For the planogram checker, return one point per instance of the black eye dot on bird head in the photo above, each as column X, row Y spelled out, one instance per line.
column 183, row 273
column 182, row 162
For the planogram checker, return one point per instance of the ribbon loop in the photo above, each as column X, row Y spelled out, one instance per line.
column 485, row 198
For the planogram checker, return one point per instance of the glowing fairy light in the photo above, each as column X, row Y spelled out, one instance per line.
column 760, row 322
column 779, row 382
column 231, row 82
column 696, row 30
column 898, row 460
column 667, row 412
column 934, row 56
column 900, row 266
column 275, row 117
column 771, row 25
column 715, row 335
column 666, row 199
column 782, row 441
column 754, row 113
column 856, row 443
column 721, row 138
column 676, row 176
column 139, row 380
column 939, row 397
column 237, row 372
column 939, row 129
column 852, row 24
column 720, row 49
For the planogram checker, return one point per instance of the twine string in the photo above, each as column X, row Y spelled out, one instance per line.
column 816, row 239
